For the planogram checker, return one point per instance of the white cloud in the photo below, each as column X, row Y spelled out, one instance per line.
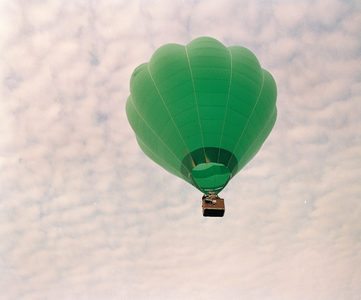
column 85, row 215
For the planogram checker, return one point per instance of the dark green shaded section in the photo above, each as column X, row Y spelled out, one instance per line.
column 202, row 103
column 208, row 160
column 211, row 176
column 206, row 155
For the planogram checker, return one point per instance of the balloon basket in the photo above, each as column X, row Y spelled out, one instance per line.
column 213, row 208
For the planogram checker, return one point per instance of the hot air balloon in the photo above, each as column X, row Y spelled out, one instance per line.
column 202, row 112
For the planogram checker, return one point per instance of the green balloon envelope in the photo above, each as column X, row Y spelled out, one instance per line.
column 202, row 111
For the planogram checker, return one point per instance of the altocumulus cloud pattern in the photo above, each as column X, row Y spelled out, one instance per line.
column 85, row 214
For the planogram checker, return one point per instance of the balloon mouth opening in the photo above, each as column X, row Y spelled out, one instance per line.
column 211, row 176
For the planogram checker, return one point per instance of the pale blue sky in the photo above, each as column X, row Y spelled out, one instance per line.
column 84, row 214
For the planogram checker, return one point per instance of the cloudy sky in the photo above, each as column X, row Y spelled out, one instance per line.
column 84, row 214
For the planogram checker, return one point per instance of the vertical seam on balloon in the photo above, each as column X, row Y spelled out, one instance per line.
column 158, row 136
column 244, row 129
column 175, row 125
column 225, row 113
column 254, row 140
column 195, row 98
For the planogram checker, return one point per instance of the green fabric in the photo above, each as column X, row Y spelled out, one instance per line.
column 211, row 176
column 202, row 104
